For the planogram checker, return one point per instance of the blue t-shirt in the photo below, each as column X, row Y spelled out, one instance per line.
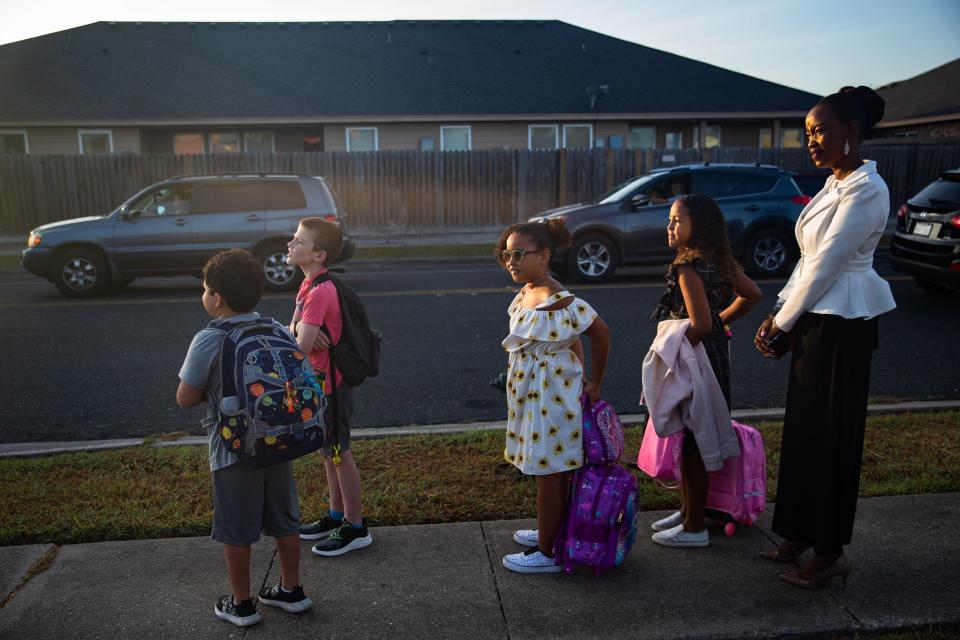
column 201, row 370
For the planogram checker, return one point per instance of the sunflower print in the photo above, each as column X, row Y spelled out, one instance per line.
column 543, row 433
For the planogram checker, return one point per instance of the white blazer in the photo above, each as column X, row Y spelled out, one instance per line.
column 838, row 232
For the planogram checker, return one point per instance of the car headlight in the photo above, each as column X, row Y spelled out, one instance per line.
column 33, row 240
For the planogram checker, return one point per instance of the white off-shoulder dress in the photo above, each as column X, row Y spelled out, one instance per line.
column 544, row 384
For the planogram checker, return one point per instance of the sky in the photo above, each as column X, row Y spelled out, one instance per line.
column 814, row 45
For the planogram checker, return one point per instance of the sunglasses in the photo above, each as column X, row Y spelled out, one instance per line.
column 516, row 254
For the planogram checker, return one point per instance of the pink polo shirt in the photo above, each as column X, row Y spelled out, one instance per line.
column 320, row 306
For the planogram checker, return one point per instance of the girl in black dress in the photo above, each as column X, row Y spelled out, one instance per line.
column 706, row 285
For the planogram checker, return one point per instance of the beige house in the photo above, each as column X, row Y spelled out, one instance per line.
column 174, row 88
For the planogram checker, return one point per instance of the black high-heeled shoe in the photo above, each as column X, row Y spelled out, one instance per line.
column 840, row 568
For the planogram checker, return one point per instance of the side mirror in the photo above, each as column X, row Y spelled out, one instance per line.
column 639, row 200
column 129, row 214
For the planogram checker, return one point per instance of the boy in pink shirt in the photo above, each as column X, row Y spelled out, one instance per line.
column 316, row 323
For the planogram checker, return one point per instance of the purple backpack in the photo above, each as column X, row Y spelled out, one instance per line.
column 601, row 520
column 603, row 440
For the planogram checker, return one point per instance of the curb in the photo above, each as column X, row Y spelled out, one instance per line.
column 35, row 449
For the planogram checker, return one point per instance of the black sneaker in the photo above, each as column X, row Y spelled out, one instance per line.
column 294, row 602
column 242, row 615
column 344, row 539
column 320, row 529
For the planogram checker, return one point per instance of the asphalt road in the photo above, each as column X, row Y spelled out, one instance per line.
column 107, row 367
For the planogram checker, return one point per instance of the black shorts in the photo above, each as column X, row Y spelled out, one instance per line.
column 341, row 433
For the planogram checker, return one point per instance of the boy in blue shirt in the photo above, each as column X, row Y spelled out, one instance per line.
column 245, row 500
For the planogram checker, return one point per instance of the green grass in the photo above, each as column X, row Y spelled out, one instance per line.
column 148, row 492
column 426, row 251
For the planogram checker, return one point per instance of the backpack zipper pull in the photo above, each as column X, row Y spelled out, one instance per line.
column 289, row 397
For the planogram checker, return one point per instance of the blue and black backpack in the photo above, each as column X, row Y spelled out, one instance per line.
column 272, row 405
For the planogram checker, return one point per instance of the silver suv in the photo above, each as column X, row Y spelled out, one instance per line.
column 173, row 227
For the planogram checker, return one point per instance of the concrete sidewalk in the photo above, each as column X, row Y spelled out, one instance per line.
column 447, row 581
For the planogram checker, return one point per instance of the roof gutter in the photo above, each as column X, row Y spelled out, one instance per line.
column 907, row 122
column 691, row 116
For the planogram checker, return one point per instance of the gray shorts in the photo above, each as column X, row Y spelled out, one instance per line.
column 248, row 501
column 344, row 413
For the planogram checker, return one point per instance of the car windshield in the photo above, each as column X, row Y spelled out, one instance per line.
column 944, row 191
column 623, row 189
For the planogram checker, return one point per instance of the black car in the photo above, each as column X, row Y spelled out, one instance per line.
column 926, row 243
column 627, row 225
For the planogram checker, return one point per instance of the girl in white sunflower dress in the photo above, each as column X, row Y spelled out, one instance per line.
column 545, row 380
column 544, row 384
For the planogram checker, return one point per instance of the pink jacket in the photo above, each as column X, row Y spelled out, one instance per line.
column 681, row 391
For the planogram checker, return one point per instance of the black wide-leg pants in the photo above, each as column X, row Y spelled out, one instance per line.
column 823, row 428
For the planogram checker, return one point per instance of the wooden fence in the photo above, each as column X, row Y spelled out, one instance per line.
column 409, row 189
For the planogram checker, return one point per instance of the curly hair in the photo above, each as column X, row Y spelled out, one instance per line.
column 708, row 239
column 237, row 276
column 551, row 234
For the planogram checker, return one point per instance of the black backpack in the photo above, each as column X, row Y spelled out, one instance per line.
column 357, row 354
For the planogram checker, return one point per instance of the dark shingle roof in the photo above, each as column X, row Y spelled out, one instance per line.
column 934, row 93
column 189, row 71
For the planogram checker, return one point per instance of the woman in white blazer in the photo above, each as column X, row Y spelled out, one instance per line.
column 827, row 317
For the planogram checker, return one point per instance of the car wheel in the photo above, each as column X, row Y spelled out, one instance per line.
column 277, row 274
column 79, row 273
column 592, row 258
column 931, row 286
column 767, row 254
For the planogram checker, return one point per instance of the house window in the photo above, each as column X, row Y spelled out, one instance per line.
column 542, row 136
column 906, row 134
column 93, row 141
column 311, row 143
column 577, row 136
column 455, row 139
column 791, row 138
column 188, row 143
column 673, row 140
column 427, row 144
column 258, row 142
column 766, row 138
column 224, row 142
column 712, row 137
column 642, row 138
column 13, row 142
column 364, row 139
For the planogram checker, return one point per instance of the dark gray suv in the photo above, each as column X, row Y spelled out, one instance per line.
column 627, row 225
column 173, row 227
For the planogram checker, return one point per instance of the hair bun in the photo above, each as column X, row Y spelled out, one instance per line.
column 557, row 229
column 871, row 104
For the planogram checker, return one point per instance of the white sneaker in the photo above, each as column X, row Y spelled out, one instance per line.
column 531, row 561
column 677, row 537
column 526, row 537
column 668, row 523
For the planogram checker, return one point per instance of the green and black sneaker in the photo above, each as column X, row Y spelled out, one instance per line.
column 320, row 529
column 343, row 540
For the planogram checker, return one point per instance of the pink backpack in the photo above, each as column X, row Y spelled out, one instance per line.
column 738, row 491
column 603, row 439
column 659, row 457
